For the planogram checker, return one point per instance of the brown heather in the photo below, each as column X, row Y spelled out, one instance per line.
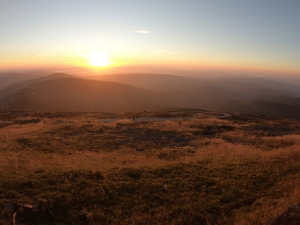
column 239, row 170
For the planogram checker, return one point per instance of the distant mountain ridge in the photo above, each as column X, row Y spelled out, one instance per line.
column 14, row 88
column 138, row 92
column 152, row 81
column 7, row 79
column 74, row 94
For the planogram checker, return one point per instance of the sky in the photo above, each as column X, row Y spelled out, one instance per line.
column 245, row 36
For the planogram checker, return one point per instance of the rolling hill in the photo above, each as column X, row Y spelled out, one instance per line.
column 74, row 94
column 260, row 107
column 160, row 82
column 139, row 92
column 7, row 79
column 16, row 87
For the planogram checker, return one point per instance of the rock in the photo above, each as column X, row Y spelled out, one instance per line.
column 290, row 216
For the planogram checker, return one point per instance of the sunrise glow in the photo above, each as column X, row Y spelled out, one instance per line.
column 99, row 59
column 230, row 36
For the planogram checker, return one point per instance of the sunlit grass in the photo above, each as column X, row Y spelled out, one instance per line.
column 220, row 172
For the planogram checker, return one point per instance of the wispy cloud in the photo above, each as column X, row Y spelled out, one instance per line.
column 142, row 31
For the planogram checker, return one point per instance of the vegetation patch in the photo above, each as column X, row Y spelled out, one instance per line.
column 73, row 169
column 273, row 130
column 211, row 130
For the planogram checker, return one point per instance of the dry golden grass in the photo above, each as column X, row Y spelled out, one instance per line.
column 219, row 171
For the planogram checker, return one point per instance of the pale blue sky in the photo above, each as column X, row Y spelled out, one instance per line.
column 254, row 32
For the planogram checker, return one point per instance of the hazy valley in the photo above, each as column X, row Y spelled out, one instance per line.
column 150, row 92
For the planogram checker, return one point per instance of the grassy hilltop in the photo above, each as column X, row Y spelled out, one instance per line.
column 237, row 170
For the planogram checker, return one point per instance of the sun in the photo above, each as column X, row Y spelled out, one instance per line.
column 99, row 59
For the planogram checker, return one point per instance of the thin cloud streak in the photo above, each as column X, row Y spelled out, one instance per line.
column 142, row 31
